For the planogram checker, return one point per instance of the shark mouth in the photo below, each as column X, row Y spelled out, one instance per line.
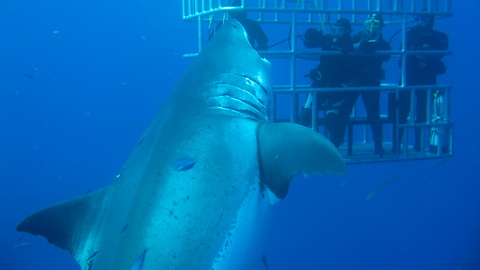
column 240, row 95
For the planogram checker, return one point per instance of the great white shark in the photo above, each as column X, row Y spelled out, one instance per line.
column 197, row 190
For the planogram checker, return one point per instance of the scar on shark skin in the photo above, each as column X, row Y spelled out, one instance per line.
column 92, row 256
column 138, row 264
column 24, row 245
column 124, row 228
column 183, row 164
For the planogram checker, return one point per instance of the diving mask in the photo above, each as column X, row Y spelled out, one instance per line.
column 373, row 24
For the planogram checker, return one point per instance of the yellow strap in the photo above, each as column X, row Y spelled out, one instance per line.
column 320, row 18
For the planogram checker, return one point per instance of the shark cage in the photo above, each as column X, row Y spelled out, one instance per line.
column 287, row 20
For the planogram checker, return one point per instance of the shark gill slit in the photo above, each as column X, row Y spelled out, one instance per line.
column 253, row 80
column 249, row 109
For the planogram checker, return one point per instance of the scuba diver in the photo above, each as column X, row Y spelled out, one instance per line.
column 369, row 72
column 334, row 70
column 421, row 69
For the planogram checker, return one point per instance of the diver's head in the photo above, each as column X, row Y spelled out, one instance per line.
column 374, row 22
column 238, row 14
column 425, row 21
column 341, row 27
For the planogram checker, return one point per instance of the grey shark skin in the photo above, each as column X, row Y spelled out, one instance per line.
column 213, row 212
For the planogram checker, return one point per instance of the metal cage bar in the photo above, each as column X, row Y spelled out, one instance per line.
column 306, row 12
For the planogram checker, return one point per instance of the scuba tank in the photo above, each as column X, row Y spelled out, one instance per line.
column 437, row 136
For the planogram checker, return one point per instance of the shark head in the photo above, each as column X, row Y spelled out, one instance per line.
column 234, row 80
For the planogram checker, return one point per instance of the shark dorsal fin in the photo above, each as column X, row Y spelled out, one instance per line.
column 287, row 149
column 66, row 224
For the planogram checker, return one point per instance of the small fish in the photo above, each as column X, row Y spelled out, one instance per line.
column 138, row 264
column 28, row 76
column 440, row 162
column 15, row 93
column 124, row 228
column 21, row 237
column 183, row 164
column 140, row 124
column 264, row 260
column 346, row 183
column 378, row 189
column 93, row 255
column 24, row 245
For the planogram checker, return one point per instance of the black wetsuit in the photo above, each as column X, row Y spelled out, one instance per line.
column 333, row 71
column 421, row 70
column 368, row 72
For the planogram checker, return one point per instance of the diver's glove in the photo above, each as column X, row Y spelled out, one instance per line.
column 368, row 46
column 370, row 41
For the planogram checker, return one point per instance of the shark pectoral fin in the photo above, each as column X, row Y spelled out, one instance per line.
column 287, row 149
column 66, row 224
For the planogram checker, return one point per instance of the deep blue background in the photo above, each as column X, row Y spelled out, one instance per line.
column 80, row 81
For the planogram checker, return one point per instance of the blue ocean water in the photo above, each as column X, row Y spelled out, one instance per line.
column 80, row 81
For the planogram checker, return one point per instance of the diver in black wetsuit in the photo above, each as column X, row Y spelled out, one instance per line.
column 420, row 70
column 333, row 71
column 369, row 72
